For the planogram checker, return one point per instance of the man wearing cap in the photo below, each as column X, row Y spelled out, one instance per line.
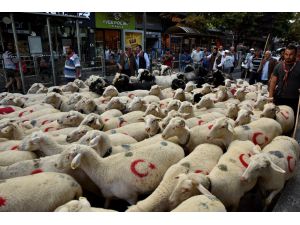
column 227, row 63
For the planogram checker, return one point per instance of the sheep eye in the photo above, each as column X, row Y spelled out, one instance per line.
column 177, row 177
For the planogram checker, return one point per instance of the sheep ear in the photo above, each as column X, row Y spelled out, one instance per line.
column 277, row 168
column 256, row 149
column 230, row 127
column 204, row 191
column 76, row 161
column 277, row 109
column 94, row 142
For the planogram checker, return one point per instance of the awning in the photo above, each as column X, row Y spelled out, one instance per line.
column 182, row 30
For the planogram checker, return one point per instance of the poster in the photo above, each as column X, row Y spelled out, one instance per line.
column 133, row 38
column 116, row 20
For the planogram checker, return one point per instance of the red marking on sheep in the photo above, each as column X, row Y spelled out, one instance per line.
column 2, row 201
column 121, row 123
column 161, row 105
column 291, row 169
column 45, row 122
column 6, row 110
column 25, row 121
column 241, row 158
column 285, row 114
column 254, row 138
column 201, row 171
column 210, row 126
column 15, row 147
column 36, row 171
column 131, row 95
column 233, row 91
column 135, row 172
column 106, row 119
column 200, row 122
column 21, row 113
column 48, row 128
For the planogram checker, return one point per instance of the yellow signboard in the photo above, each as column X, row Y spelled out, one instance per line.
column 133, row 38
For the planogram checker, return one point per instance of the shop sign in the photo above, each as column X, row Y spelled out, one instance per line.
column 133, row 38
column 116, row 20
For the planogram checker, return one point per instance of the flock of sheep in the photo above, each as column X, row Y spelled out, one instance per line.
column 193, row 149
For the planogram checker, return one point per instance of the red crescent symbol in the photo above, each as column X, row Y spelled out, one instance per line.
column 45, row 121
column 21, row 113
column 255, row 135
column 289, row 164
column 48, row 128
column 241, row 158
column 233, row 91
column 161, row 105
column 135, row 172
column 15, row 147
column 285, row 114
column 121, row 123
column 24, row 121
column 200, row 122
column 37, row 171
column 6, row 110
column 210, row 126
column 131, row 95
column 2, row 201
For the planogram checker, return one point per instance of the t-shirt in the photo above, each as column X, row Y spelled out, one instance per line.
column 290, row 89
column 70, row 66
column 255, row 64
column 9, row 60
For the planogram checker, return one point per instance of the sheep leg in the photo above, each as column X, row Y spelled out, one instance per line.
column 107, row 203
column 133, row 200
column 271, row 196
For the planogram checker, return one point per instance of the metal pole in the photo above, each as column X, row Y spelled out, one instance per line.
column 1, row 39
column 51, row 51
column 145, row 29
column 78, row 38
column 17, row 50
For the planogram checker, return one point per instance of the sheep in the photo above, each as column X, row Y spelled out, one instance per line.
column 273, row 166
column 121, row 82
column 190, row 86
column 219, row 132
column 171, row 114
column 93, row 120
column 70, row 103
column 155, row 90
column 79, row 132
column 80, row 84
column 137, row 104
column 110, row 91
column 155, row 110
column 201, row 160
column 117, row 103
column 34, row 88
column 244, row 117
column 39, row 113
column 70, row 87
column 9, row 109
column 139, row 131
column 162, row 81
column 115, row 122
column 12, row 100
column 86, row 105
column 260, row 132
column 38, row 193
column 283, row 114
column 202, row 119
column 225, row 177
column 80, row 205
column 125, row 179
column 10, row 157
column 201, row 203
column 174, row 104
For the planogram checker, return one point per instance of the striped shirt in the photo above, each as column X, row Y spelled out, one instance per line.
column 9, row 59
column 255, row 62
column 71, row 64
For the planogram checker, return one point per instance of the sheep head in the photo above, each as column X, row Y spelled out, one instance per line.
column 85, row 105
column 260, row 102
column 115, row 103
column 76, row 134
column 260, row 163
column 81, row 205
column 270, row 111
column 137, row 104
column 98, row 140
column 53, row 99
column 34, row 88
column 70, row 87
column 94, row 121
column 42, row 90
column 220, row 129
column 205, row 102
column 32, row 142
column 152, row 125
column 154, row 110
column 187, row 186
column 171, row 115
column 189, row 87
column 232, row 110
column 186, row 107
column 174, row 104
column 74, row 98
column 155, row 90
column 71, row 119
column 12, row 100
column 244, row 117
column 174, row 128
column 110, row 91
column 179, row 94
column 79, row 83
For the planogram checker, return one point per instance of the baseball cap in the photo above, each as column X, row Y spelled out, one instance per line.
column 251, row 49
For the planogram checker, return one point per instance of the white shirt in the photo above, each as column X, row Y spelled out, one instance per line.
column 146, row 57
column 197, row 56
column 265, row 71
column 227, row 62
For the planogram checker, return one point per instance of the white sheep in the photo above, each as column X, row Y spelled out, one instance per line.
column 10, row 157
column 201, row 160
column 273, row 166
column 155, row 110
column 137, row 104
column 38, row 193
column 283, row 114
column 124, row 175
column 80, row 205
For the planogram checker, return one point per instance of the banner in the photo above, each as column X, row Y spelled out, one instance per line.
column 133, row 38
column 117, row 20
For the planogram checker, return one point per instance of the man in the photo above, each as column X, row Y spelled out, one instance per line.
column 72, row 65
column 212, row 58
column 127, row 62
column 227, row 63
column 185, row 59
column 234, row 54
column 197, row 56
column 167, row 58
column 254, row 64
column 286, row 76
column 142, row 59
column 267, row 66
column 10, row 68
column 281, row 54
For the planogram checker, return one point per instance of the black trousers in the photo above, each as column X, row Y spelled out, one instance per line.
column 254, row 77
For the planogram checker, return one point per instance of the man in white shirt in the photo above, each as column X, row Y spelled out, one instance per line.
column 197, row 56
column 142, row 58
column 227, row 62
column 267, row 66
